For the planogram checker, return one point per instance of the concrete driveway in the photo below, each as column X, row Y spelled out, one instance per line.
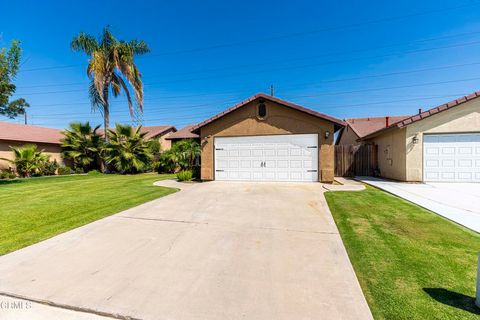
column 459, row 202
column 211, row 251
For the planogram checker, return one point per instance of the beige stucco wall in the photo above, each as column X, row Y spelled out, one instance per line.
column 460, row 119
column 164, row 143
column 391, row 153
column 54, row 151
column 348, row 137
column 279, row 120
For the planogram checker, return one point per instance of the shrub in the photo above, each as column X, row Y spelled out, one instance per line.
column 28, row 160
column 167, row 162
column 49, row 169
column 79, row 170
column 64, row 171
column 186, row 175
column 7, row 174
column 128, row 151
column 186, row 153
column 82, row 145
column 94, row 172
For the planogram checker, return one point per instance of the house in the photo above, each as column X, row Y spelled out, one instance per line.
column 268, row 139
column 440, row 144
column 357, row 128
column 12, row 134
column 182, row 134
column 161, row 133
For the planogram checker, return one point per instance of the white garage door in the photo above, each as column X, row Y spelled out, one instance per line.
column 451, row 157
column 267, row 158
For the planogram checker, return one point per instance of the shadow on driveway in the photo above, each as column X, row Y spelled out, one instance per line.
column 453, row 299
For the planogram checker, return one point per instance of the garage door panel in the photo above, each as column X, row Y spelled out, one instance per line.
column 267, row 158
column 452, row 157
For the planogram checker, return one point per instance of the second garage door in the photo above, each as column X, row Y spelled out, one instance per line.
column 451, row 157
column 267, row 158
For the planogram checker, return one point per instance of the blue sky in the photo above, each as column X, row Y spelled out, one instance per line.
column 343, row 58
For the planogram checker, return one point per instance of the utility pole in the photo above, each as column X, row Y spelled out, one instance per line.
column 25, row 115
column 272, row 90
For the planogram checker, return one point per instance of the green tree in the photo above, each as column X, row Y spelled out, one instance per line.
column 127, row 150
column 111, row 61
column 28, row 160
column 185, row 153
column 82, row 145
column 9, row 65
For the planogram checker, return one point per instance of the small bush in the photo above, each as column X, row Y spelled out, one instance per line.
column 94, row 172
column 49, row 169
column 79, row 170
column 64, row 171
column 7, row 174
column 186, row 175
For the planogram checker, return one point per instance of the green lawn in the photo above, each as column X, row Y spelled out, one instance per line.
column 411, row 263
column 35, row 209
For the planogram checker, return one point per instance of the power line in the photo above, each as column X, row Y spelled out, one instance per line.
column 285, row 36
column 286, row 60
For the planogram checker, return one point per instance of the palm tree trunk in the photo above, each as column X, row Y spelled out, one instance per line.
column 106, row 111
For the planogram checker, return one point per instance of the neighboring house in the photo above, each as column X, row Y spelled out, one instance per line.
column 268, row 139
column 182, row 134
column 155, row 132
column 441, row 144
column 46, row 139
column 357, row 128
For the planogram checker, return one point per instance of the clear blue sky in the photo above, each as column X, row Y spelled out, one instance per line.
column 343, row 58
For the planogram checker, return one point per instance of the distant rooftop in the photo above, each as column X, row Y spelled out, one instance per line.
column 28, row 133
column 365, row 126
column 184, row 133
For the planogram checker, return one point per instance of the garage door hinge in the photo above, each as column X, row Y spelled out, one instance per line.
column 220, row 170
column 312, row 147
column 311, row 170
column 218, row 148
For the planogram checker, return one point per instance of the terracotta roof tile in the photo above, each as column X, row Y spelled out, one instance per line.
column 430, row 112
column 273, row 99
column 152, row 131
column 184, row 133
column 28, row 133
column 365, row 126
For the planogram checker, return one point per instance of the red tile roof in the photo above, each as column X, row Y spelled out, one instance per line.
column 28, row 133
column 184, row 133
column 273, row 99
column 365, row 126
column 428, row 113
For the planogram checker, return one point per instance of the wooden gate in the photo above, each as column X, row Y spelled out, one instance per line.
column 352, row 160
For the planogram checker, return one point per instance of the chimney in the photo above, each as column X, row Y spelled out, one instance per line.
column 419, row 110
column 387, row 120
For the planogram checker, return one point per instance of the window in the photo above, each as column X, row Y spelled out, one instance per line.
column 262, row 110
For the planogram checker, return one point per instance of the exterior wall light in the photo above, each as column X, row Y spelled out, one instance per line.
column 415, row 139
column 327, row 134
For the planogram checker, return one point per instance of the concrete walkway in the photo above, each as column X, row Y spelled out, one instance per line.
column 459, row 202
column 211, row 251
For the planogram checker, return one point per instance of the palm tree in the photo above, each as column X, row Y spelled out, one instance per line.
column 82, row 145
column 128, row 151
column 27, row 159
column 111, row 61
column 186, row 152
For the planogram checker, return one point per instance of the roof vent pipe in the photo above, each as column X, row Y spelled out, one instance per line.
column 419, row 110
column 387, row 120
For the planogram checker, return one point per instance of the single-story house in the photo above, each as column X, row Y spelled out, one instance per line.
column 440, row 144
column 268, row 139
column 161, row 133
column 182, row 134
column 12, row 134
column 356, row 128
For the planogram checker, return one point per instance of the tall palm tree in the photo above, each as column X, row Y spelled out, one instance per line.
column 111, row 63
column 82, row 145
